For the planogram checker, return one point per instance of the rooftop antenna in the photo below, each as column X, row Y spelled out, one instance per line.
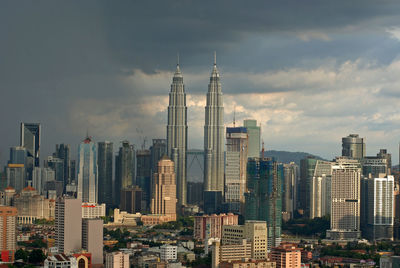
column 234, row 116
column 262, row 150
column 215, row 57
column 177, row 61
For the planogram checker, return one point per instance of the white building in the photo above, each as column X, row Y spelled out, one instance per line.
column 168, row 253
column 320, row 200
column 125, row 218
column 117, row 260
column 93, row 210
column 60, row 261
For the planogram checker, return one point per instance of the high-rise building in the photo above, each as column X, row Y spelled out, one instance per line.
column 353, row 146
column 63, row 152
column 307, row 168
column 289, row 194
column 143, row 174
column 131, row 199
column 195, row 193
column 235, row 168
column 73, row 171
column 210, row 226
column 92, row 239
column 30, row 139
column 18, row 155
column 40, row 177
column 383, row 154
column 264, row 196
column 57, row 165
column 164, row 189
column 345, row 196
column 16, row 176
column 254, row 133
column 157, row 150
column 125, row 164
column 320, row 199
column 68, row 224
column 377, row 166
column 177, row 131
column 105, row 172
column 214, row 135
column 87, row 171
column 8, row 228
column 117, row 260
column 286, row 256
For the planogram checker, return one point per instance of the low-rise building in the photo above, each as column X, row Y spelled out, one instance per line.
column 93, row 210
column 168, row 252
column 117, row 260
column 221, row 253
column 60, row 261
column 248, row 264
column 287, row 255
column 211, row 225
column 125, row 218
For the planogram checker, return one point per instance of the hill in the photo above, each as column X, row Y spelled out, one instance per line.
column 287, row 157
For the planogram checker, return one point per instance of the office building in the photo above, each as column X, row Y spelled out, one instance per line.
column 87, row 171
column 177, row 131
column 195, row 193
column 63, row 152
column 57, row 165
column 380, row 208
column 229, row 253
column 353, row 146
column 18, row 155
column 30, row 139
column 195, row 165
column 53, row 187
column 235, row 168
column 214, row 135
column 157, row 150
column 16, row 176
column 92, row 239
column 105, row 172
column 254, row 133
column 289, row 194
column 143, row 174
column 286, row 256
column 117, row 260
column 73, row 171
column 383, row 154
column 320, row 199
column 168, row 253
column 264, row 196
column 210, row 226
column 92, row 211
column 8, row 196
column 254, row 232
column 60, row 261
column 125, row 218
column 68, row 225
column 125, row 164
column 131, row 199
column 8, row 228
column 164, row 189
column 376, row 166
column 40, row 177
column 307, row 169
column 345, row 196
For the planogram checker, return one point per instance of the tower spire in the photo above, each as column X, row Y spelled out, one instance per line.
column 215, row 57
column 234, row 116
column 177, row 59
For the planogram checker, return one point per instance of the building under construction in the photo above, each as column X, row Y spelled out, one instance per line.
column 264, row 195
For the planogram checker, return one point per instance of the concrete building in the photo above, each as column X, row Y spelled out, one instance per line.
column 289, row 194
column 254, row 133
column 56, row 164
column 8, row 228
column 105, row 172
column 226, row 253
column 164, row 189
column 353, row 146
column 60, row 261
column 8, row 196
column 92, row 210
column 214, row 136
column 132, row 199
column 87, row 171
column 177, row 131
column 235, row 168
column 248, row 263
column 68, row 225
column 92, row 239
column 307, row 169
column 255, row 232
column 18, row 155
column 40, row 177
column 345, row 207
column 117, row 260
column 286, row 256
column 210, row 226
column 320, row 199
column 16, row 176
column 168, row 253
column 125, row 169
column 125, row 218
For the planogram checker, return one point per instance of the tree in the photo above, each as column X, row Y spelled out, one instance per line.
column 36, row 256
column 21, row 254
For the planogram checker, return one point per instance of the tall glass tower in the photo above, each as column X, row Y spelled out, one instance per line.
column 177, row 133
column 87, row 171
column 105, row 169
column 214, row 135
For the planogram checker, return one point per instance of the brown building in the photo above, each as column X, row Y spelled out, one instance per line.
column 164, row 189
column 131, row 199
column 213, row 223
column 8, row 238
column 287, row 255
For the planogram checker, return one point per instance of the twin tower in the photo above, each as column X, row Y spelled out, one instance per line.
column 177, row 134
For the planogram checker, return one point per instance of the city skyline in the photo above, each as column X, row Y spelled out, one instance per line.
column 307, row 84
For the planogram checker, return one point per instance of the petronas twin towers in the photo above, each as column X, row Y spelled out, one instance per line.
column 213, row 134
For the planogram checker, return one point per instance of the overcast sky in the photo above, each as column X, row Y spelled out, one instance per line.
column 310, row 72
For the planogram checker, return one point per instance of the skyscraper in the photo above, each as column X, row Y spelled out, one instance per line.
column 353, row 146
column 30, row 139
column 177, row 130
column 16, row 176
column 57, row 165
column 125, row 164
column 8, row 228
column 157, row 150
column 143, row 174
column 307, row 168
column 264, row 195
column 214, row 135
column 235, row 168
column 289, row 195
column 320, row 189
column 63, row 152
column 87, row 171
column 164, row 189
column 18, row 155
column 105, row 169
column 345, row 195
column 254, row 133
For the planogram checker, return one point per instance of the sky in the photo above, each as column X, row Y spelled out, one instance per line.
column 310, row 71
